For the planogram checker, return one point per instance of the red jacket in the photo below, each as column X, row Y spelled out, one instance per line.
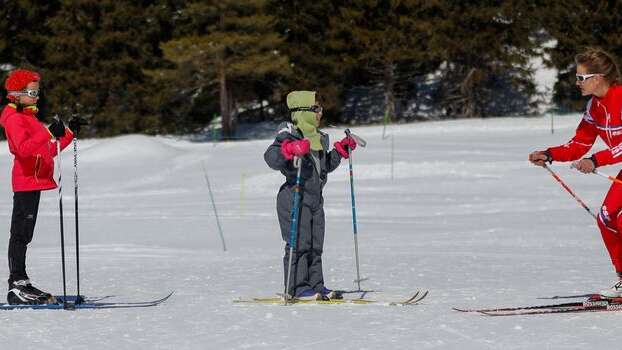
column 33, row 147
column 603, row 117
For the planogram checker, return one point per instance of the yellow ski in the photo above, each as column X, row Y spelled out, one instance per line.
column 416, row 298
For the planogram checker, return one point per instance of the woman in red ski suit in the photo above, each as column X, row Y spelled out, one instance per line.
column 598, row 76
column 33, row 147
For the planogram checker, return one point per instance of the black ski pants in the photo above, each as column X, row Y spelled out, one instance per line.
column 25, row 208
column 307, row 258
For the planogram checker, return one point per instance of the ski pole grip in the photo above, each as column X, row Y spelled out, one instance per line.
column 297, row 162
column 348, row 134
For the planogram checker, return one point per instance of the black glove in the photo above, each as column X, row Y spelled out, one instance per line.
column 57, row 128
column 76, row 122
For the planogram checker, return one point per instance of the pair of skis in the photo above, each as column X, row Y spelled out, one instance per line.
column 593, row 303
column 413, row 300
column 72, row 302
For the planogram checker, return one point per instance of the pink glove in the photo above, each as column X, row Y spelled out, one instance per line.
column 298, row 148
column 343, row 145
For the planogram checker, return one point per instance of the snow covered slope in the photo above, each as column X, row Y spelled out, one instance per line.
column 464, row 216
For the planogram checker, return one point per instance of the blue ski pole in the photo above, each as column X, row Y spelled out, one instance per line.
column 354, row 227
column 293, row 233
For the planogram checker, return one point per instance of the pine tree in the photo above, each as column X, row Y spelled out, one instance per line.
column 22, row 26
column 95, row 56
column 576, row 25
column 317, row 61
column 228, row 46
column 481, row 44
column 24, row 32
column 380, row 37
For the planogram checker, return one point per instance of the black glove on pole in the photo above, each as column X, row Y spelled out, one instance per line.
column 76, row 122
column 57, row 128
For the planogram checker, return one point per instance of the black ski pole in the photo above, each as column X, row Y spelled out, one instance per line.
column 76, row 123
column 79, row 299
column 62, row 229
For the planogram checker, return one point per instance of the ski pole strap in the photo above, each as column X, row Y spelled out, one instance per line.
column 359, row 140
column 297, row 161
column 561, row 182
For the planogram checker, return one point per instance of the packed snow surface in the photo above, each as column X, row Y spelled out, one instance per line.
column 456, row 209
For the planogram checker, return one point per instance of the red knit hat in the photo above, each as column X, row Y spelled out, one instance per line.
column 19, row 79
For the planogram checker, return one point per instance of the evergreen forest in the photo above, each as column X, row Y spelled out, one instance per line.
column 175, row 67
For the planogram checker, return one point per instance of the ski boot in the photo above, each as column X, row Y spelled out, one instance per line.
column 23, row 292
column 331, row 294
column 613, row 292
column 310, row 294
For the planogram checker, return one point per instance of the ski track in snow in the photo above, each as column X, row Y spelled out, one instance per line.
column 464, row 216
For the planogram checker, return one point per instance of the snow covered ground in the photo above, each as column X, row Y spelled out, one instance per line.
column 465, row 216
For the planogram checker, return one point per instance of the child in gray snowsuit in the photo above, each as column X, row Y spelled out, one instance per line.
column 304, row 140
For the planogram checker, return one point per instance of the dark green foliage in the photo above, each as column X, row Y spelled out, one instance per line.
column 317, row 64
column 576, row 25
column 22, row 41
column 383, row 40
column 22, row 26
column 96, row 52
column 165, row 66
column 229, row 47
column 480, row 43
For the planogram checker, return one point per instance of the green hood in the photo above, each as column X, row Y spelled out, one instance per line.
column 305, row 120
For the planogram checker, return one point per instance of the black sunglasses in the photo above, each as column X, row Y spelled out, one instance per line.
column 314, row 109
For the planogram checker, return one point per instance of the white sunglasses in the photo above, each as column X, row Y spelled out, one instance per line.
column 29, row 93
column 584, row 77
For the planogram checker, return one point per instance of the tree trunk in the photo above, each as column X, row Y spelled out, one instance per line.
column 389, row 91
column 225, row 112
column 233, row 112
column 467, row 89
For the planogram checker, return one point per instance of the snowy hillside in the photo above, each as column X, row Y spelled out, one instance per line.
column 465, row 216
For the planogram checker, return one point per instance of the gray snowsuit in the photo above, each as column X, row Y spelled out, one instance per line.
column 307, row 259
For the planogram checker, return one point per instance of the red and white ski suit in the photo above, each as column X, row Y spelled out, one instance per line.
column 603, row 117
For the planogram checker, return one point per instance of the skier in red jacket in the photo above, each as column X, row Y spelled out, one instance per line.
column 598, row 75
column 33, row 147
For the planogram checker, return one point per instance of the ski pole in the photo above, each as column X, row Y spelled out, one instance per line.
column 62, row 230
column 354, row 226
column 79, row 299
column 595, row 171
column 78, row 122
column 611, row 178
column 561, row 182
column 209, row 188
column 293, row 228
